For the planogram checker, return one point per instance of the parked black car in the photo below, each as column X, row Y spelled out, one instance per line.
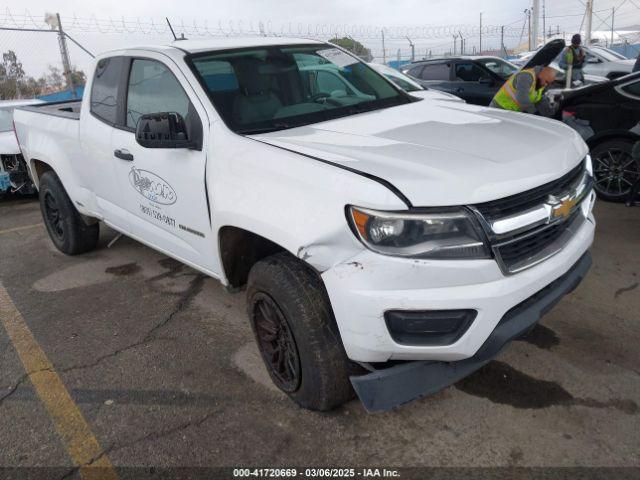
column 475, row 79
column 607, row 116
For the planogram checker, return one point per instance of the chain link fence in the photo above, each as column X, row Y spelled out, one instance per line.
column 33, row 62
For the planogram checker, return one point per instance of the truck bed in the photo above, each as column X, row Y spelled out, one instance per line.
column 67, row 109
column 50, row 133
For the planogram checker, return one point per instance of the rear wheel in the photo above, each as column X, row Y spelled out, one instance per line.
column 296, row 332
column 615, row 170
column 68, row 231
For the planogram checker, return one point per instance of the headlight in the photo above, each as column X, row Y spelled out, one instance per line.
column 447, row 234
column 589, row 165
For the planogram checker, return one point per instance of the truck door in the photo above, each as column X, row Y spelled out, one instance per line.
column 164, row 188
column 95, row 167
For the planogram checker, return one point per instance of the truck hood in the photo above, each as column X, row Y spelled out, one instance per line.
column 443, row 153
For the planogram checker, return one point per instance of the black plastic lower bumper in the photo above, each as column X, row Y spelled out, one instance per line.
column 385, row 389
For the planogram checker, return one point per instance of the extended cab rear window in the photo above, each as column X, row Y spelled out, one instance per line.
column 104, row 89
column 272, row 88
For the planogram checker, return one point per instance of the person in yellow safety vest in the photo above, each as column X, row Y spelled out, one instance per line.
column 523, row 91
column 573, row 56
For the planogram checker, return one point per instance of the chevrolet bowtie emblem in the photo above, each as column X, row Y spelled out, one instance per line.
column 563, row 210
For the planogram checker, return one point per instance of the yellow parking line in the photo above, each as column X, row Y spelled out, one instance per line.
column 81, row 444
column 18, row 229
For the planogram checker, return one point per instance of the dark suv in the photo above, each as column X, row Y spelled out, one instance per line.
column 475, row 79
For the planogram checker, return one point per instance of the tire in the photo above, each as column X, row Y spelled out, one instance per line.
column 289, row 311
column 614, row 169
column 68, row 231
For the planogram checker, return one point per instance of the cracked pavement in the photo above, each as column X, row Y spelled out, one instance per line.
column 162, row 364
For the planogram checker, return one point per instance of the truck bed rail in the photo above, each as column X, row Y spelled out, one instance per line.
column 67, row 109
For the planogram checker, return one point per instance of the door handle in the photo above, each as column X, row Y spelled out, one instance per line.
column 459, row 90
column 123, row 154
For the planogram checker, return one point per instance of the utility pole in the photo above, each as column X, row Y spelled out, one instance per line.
column 536, row 23
column 461, row 43
column 589, row 13
column 529, row 27
column 56, row 24
column 503, row 51
column 384, row 51
column 544, row 20
column 613, row 19
column 455, row 44
column 480, row 33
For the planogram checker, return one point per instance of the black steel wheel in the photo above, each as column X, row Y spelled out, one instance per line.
column 615, row 170
column 297, row 334
column 69, row 232
column 276, row 342
column 53, row 216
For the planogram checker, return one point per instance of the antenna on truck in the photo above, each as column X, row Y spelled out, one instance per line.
column 174, row 33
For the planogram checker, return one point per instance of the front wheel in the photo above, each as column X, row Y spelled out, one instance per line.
column 68, row 231
column 615, row 170
column 296, row 332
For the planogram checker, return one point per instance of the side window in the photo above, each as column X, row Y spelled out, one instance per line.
column 437, row 71
column 632, row 89
column 104, row 90
column 415, row 71
column 153, row 89
column 469, row 72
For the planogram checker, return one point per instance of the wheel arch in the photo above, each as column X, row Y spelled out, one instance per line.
column 241, row 249
column 612, row 135
column 38, row 168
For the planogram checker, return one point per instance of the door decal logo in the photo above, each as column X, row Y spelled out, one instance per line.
column 152, row 187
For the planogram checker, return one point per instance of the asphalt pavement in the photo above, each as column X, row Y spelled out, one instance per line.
column 143, row 362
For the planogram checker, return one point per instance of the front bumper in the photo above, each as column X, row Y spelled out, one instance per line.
column 382, row 390
column 368, row 285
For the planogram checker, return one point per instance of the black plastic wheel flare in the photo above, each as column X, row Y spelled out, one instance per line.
column 276, row 342
column 54, row 219
column 615, row 172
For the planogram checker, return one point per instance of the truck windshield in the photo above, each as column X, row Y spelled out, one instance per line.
column 273, row 88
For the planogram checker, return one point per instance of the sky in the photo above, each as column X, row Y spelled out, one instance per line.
column 363, row 19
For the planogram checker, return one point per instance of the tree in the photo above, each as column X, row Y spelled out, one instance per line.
column 354, row 47
column 11, row 75
column 14, row 83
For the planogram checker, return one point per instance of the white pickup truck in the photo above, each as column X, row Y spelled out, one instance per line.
column 387, row 244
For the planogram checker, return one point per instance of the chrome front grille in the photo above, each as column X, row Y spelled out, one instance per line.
column 529, row 249
column 521, row 202
column 526, row 229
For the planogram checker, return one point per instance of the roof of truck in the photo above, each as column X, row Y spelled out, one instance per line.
column 223, row 43
column 212, row 44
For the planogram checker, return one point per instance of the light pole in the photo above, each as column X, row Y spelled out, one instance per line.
column 480, row 33
column 413, row 50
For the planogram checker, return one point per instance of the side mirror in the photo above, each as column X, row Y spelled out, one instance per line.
column 164, row 130
column 485, row 81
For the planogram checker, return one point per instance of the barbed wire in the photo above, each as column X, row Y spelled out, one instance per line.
column 204, row 28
